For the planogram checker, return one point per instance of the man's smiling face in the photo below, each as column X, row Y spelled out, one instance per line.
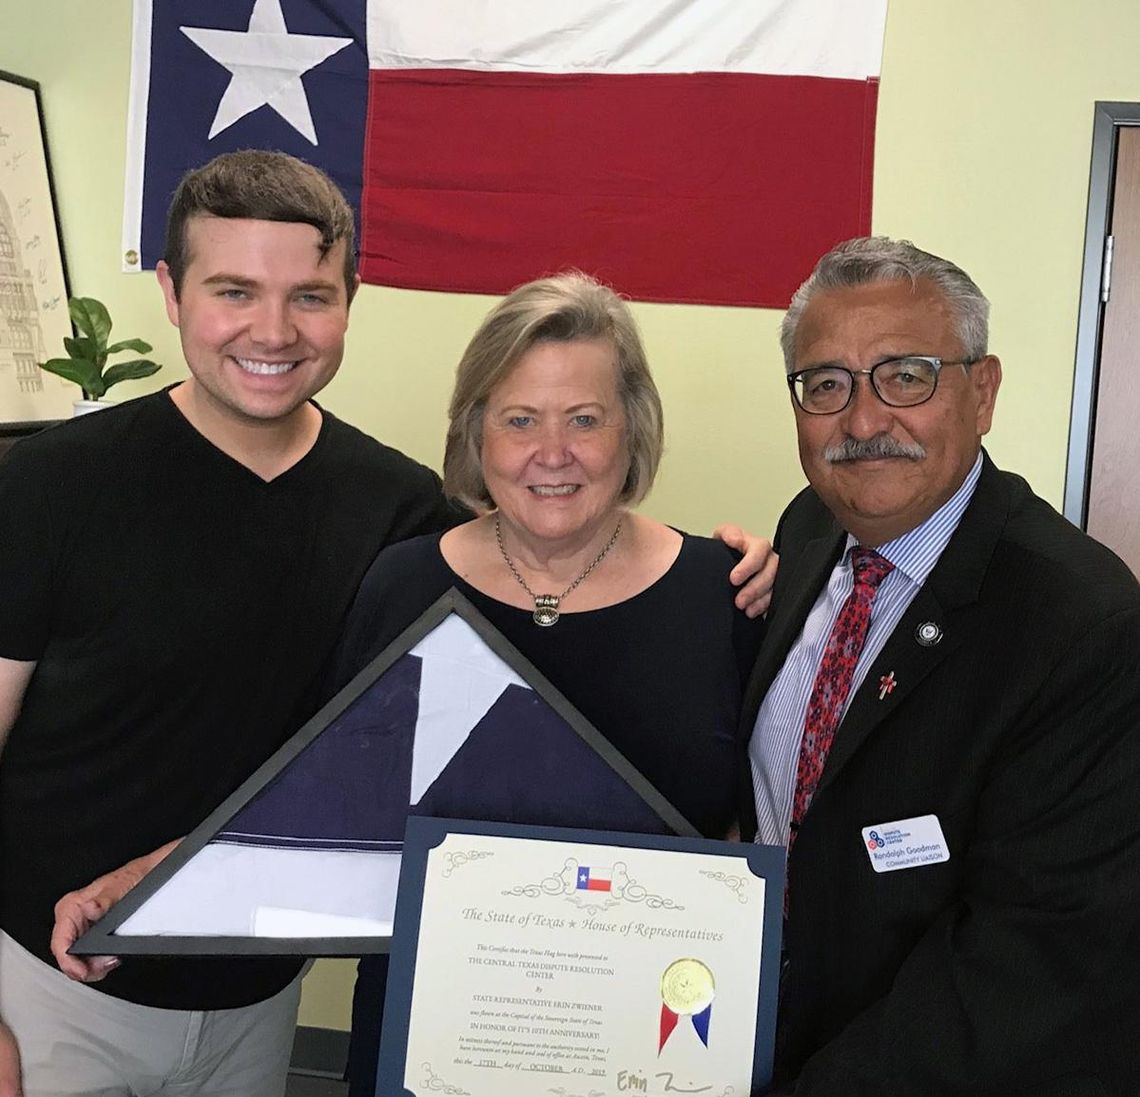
column 880, row 498
column 261, row 314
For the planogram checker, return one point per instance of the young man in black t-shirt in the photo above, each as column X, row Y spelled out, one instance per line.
column 175, row 572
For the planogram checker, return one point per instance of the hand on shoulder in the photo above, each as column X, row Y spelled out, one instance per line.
column 756, row 570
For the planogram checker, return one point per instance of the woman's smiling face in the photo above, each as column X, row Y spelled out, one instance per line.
column 554, row 452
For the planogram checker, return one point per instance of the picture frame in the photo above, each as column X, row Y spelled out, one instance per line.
column 34, row 285
column 500, row 930
column 11, row 433
column 303, row 857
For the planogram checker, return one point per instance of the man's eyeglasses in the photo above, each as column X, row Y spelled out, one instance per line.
column 898, row 382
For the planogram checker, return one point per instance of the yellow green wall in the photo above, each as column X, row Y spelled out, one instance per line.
column 984, row 133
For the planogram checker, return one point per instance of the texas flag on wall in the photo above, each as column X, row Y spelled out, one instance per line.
column 702, row 151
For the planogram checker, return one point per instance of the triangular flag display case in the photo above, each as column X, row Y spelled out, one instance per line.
column 449, row 721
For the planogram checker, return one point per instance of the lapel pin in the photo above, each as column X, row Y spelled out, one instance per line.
column 928, row 634
column 886, row 685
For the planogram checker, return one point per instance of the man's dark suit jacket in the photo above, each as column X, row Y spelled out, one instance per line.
column 1014, row 967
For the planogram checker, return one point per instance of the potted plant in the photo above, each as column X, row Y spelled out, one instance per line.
column 86, row 363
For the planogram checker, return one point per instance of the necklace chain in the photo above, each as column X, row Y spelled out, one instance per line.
column 546, row 605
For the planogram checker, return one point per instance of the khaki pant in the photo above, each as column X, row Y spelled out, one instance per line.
column 75, row 1041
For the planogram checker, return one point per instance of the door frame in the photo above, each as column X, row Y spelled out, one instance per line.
column 1107, row 118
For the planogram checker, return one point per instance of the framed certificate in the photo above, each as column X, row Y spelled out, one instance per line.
column 531, row 961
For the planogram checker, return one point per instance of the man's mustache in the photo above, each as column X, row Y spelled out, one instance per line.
column 869, row 449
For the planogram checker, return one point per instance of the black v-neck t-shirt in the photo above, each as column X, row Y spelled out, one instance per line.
column 181, row 612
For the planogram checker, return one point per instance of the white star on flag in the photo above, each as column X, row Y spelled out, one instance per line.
column 266, row 63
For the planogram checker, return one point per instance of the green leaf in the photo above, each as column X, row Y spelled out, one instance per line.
column 130, row 371
column 83, row 373
column 130, row 344
column 81, row 349
column 91, row 318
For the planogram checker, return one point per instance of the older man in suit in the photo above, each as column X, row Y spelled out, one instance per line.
column 945, row 723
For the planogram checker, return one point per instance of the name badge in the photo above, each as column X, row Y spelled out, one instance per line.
column 908, row 843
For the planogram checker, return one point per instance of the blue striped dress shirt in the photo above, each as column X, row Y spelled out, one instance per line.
column 775, row 746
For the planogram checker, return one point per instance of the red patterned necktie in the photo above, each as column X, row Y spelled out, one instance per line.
column 833, row 679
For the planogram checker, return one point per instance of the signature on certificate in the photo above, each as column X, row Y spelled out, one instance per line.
column 632, row 1082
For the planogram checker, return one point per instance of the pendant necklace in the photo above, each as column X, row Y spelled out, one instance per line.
column 546, row 605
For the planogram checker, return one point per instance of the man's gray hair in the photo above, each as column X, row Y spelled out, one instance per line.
column 868, row 259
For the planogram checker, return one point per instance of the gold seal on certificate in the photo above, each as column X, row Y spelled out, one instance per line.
column 687, row 986
column 687, row 990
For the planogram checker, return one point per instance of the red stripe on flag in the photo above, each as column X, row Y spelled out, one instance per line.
column 598, row 885
column 712, row 188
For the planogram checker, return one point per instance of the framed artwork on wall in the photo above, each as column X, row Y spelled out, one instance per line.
column 33, row 277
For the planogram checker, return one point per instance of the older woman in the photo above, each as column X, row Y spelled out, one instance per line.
column 555, row 433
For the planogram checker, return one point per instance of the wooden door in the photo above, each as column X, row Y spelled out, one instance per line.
column 1114, row 474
